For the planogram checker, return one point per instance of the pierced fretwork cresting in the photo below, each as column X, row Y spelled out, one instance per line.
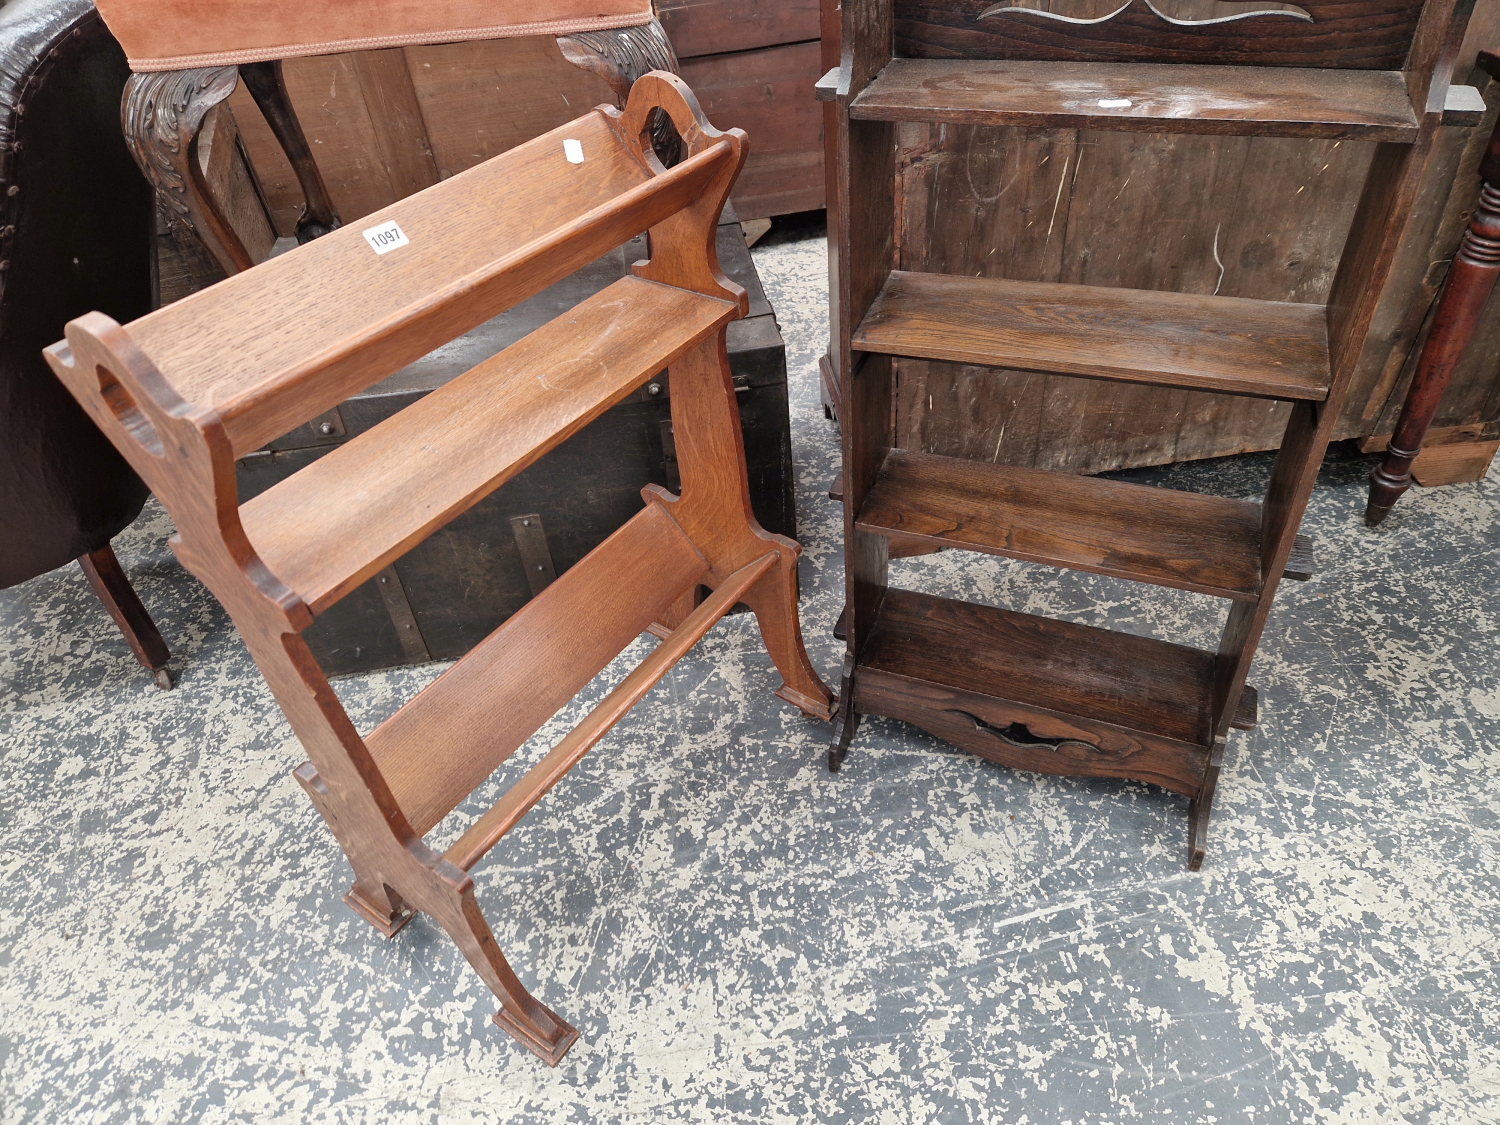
column 1025, row 690
column 183, row 391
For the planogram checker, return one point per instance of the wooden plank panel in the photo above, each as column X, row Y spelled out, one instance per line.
column 715, row 27
column 483, row 98
column 1187, row 540
column 347, row 515
column 769, row 94
column 497, row 696
column 1286, row 102
column 397, row 119
column 1137, row 683
column 1225, row 344
column 1246, row 216
column 1360, row 34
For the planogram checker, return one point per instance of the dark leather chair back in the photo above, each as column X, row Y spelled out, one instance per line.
column 75, row 235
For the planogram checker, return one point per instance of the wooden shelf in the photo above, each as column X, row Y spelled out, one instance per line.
column 1186, row 540
column 303, row 331
column 1132, row 683
column 1370, row 105
column 502, row 691
column 358, row 508
column 1228, row 345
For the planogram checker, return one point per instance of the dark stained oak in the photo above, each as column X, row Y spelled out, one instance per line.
column 326, row 529
column 1471, row 279
column 1259, row 101
column 1187, row 540
column 1136, row 684
column 917, row 97
column 1353, row 34
column 1231, row 345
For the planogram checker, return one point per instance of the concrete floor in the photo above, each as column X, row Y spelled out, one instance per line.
column 742, row 937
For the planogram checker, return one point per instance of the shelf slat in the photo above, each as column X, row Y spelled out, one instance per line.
column 1133, row 683
column 502, row 691
column 1228, row 345
column 1370, row 105
column 301, row 332
column 360, row 507
column 486, row 832
column 1186, row 540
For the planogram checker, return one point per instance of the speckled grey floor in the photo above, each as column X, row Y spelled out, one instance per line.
column 740, row 936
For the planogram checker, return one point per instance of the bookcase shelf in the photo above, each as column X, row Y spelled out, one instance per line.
column 1024, row 690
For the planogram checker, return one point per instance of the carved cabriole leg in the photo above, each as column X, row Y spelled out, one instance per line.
column 266, row 85
column 622, row 55
column 160, row 114
column 714, row 510
column 1469, row 284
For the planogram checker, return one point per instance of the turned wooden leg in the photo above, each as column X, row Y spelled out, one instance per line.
column 774, row 600
column 1202, row 806
column 845, row 719
column 535, row 1026
column 1468, row 287
column 103, row 571
column 267, row 87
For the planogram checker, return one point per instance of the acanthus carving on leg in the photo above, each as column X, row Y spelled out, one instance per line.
column 621, row 56
column 161, row 114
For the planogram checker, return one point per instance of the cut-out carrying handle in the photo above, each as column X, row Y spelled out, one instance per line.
column 683, row 246
column 181, row 453
column 660, row 89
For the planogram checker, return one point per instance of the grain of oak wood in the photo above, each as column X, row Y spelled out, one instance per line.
column 256, row 353
column 479, row 243
column 519, row 798
column 331, row 526
column 1136, row 683
column 1305, row 353
column 1260, row 101
column 1231, row 345
column 1187, row 540
column 445, row 741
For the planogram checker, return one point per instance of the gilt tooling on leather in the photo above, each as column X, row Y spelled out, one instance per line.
column 176, row 34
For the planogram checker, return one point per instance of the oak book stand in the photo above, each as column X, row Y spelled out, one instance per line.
column 184, row 391
column 1031, row 692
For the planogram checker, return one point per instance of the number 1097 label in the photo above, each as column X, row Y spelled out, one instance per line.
column 386, row 237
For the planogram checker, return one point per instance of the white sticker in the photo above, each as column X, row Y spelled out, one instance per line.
column 386, row 237
column 1114, row 103
column 573, row 150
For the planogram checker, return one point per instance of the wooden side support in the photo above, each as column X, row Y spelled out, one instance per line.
column 381, row 792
